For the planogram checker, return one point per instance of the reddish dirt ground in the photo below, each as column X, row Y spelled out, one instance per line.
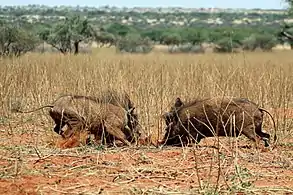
column 30, row 163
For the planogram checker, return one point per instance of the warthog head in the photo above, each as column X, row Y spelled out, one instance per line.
column 171, row 119
column 132, row 127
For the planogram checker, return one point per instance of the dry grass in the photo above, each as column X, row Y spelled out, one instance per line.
column 153, row 81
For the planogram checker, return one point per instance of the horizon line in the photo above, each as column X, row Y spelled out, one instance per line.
column 131, row 7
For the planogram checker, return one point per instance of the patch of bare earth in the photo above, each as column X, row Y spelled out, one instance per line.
column 31, row 164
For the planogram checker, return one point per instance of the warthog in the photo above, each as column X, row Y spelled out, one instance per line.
column 108, row 117
column 221, row 116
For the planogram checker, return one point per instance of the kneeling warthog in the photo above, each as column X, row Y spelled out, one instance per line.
column 108, row 117
column 218, row 116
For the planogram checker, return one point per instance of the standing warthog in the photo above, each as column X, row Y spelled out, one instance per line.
column 221, row 116
column 108, row 117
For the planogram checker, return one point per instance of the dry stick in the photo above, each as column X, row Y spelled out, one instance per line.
column 128, row 181
column 16, row 168
column 42, row 158
column 169, row 193
column 75, row 187
column 197, row 170
column 55, row 155
column 219, row 160
column 233, row 125
column 210, row 171
column 211, row 165
column 10, row 132
column 68, row 189
column 161, row 100
column 277, row 189
column 55, row 190
column 37, row 152
column 218, row 152
column 159, row 177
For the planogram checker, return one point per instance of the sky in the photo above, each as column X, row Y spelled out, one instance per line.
column 264, row 4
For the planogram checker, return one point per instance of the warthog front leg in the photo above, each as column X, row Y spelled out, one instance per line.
column 114, row 129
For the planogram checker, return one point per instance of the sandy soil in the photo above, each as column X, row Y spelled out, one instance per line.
column 30, row 163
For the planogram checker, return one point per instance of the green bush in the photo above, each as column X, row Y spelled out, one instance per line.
column 263, row 41
column 226, row 45
column 249, row 43
column 134, row 43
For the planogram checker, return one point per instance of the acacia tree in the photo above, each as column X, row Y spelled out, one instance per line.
column 15, row 41
column 286, row 33
column 194, row 36
column 105, row 38
column 264, row 41
column 67, row 35
column 134, row 43
column 171, row 39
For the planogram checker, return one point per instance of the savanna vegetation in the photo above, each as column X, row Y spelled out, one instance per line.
column 32, row 163
column 71, row 29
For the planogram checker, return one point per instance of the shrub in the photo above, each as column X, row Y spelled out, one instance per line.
column 263, row 41
column 226, row 45
column 134, row 43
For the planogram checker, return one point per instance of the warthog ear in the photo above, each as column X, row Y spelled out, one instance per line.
column 128, row 115
column 178, row 103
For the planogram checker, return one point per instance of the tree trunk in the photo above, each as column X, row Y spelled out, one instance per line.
column 43, row 48
column 76, row 47
column 62, row 51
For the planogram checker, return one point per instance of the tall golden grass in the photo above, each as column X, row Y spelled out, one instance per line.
column 153, row 81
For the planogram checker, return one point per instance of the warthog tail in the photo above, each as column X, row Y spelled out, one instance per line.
column 17, row 110
column 275, row 136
